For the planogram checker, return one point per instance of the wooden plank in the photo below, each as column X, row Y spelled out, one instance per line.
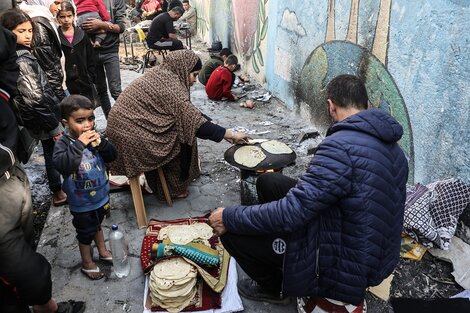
column 138, row 200
column 166, row 192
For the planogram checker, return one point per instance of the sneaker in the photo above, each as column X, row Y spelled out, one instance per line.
column 250, row 289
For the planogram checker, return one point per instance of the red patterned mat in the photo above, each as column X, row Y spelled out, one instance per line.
column 205, row 298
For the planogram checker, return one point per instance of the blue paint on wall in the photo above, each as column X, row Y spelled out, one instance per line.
column 428, row 60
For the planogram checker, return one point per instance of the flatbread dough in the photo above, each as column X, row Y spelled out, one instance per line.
column 255, row 141
column 276, row 147
column 174, row 268
column 182, row 234
column 249, row 156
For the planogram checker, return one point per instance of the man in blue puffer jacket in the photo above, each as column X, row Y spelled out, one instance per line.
column 335, row 231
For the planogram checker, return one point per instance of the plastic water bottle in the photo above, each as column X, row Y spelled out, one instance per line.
column 119, row 249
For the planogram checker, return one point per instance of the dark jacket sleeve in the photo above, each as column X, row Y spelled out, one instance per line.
column 67, row 156
column 90, row 60
column 9, row 74
column 107, row 150
column 48, row 54
column 211, row 131
column 327, row 180
column 120, row 14
column 8, row 67
column 35, row 105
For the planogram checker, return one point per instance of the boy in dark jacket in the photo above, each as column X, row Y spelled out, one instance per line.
column 337, row 230
column 80, row 156
column 220, row 81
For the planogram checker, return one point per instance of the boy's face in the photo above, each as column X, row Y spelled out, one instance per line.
column 80, row 121
column 231, row 67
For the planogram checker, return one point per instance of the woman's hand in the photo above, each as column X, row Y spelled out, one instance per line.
column 236, row 137
column 239, row 138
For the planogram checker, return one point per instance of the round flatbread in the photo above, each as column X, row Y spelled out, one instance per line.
column 182, row 234
column 165, row 284
column 181, row 291
column 249, row 156
column 276, row 147
column 174, row 268
column 173, row 306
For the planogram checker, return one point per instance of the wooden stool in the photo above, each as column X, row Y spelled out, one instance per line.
column 138, row 200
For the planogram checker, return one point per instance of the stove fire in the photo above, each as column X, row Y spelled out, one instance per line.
column 248, row 194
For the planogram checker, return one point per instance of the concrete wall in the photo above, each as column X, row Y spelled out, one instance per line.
column 413, row 55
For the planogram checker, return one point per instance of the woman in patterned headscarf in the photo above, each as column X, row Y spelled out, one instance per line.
column 154, row 125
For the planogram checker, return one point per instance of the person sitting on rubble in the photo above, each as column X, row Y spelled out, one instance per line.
column 150, row 9
column 80, row 156
column 214, row 62
column 189, row 16
column 162, row 32
column 334, row 232
column 219, row 85
column 158, row 128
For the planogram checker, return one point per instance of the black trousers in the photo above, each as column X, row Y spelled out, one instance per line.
column 261, row 257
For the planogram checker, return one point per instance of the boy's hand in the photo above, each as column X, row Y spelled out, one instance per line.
column 89, row 136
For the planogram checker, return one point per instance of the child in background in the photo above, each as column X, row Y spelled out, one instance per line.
column 220, row 82
column 35, row 103
column 80, row 156
column 78, row 52
column 92, row 9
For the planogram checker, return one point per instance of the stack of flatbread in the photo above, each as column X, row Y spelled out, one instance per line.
column 182, row 234
column 173, row 284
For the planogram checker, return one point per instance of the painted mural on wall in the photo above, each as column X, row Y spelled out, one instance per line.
column 202, row 18
column 250, row 21
column 335, row 57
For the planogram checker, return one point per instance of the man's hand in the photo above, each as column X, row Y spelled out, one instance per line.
column 216, row 222
column 93, row 24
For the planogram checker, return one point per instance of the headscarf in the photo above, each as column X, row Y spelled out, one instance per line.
column 154, row 116
column 36, row 8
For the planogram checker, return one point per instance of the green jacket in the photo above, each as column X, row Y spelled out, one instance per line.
column 214, row 62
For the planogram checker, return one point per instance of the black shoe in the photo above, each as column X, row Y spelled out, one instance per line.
column 71, row 307
column 250, row 289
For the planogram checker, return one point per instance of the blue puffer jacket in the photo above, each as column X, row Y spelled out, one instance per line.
column 344, row 217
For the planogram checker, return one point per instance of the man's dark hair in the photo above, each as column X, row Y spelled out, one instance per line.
column 231, row 60
column 74, row 103
column 14, row 17
column 346, row 91
column 173, row 4
column 178, row 10
column 225, row 52
column 186, row 1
